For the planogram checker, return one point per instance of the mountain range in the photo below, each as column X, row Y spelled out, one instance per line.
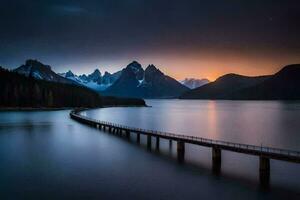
column 25, row 91
column 149, row 83
column 94, row 80
column 193, row 83
column 132, row 81
column 135, row 81
column 284, row 85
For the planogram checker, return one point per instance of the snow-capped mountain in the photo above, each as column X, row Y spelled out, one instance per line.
column 193, row 83
column 132, row 81
column 94, row 80
column 38, row 70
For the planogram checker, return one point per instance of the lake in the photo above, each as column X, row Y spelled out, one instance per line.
column 46, row 155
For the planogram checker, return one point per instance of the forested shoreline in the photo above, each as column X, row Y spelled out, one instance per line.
column 18, row 91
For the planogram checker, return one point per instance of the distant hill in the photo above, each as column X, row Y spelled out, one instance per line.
column 223, row 88
column 148, row 83
column 284, row 85
column 193, row 83
column 20, row 91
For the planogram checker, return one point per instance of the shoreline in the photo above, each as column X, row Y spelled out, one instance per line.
column 33, row 108
column 62, row 108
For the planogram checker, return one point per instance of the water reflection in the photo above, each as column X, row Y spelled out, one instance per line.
column 212, row 119
column 58, row 158
column 249, row 122
column 270, row 123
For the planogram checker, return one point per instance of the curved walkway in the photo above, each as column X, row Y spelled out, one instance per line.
column 272, row 153
column 264, row 153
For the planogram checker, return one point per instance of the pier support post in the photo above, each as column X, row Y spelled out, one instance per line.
column 157, row 143
column 109, row 129
column 216, row 160
column 170, row 144
column 149, row 141
column 128, row 134
column 264, row 171
column 138, row 138
column 180, row 151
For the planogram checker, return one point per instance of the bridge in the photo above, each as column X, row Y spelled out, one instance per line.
column 264, row 153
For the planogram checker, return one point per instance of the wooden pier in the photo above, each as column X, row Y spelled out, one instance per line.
column 264, row 153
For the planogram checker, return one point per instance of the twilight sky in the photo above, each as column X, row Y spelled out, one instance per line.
column 184, row 38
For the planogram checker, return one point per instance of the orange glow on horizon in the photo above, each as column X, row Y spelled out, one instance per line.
column 212, row 67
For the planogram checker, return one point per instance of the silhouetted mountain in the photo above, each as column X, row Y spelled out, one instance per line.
column 20, row 91
column 224, row 87
column 151, row 83
column 193, row 83
column 137, row 70
column 158, row 85
column 37, row 70
column 284, row 85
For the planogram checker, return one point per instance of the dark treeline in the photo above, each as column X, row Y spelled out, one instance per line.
column 20, row 91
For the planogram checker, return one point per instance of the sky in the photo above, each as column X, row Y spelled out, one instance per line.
column 183, row 38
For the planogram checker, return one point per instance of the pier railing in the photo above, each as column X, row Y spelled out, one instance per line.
column 274, row 153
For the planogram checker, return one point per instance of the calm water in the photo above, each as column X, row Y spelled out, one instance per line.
column 46, row 155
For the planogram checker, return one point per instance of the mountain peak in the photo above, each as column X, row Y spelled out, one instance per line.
column 38, row 70
column 36, row 63
column 151, row 69
column 230, row 76
column 134, row 62
column 137, row 69
column 95, row 76
column 106, row 73
column 134, row 65
column 69, row 74
column 97, row 72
